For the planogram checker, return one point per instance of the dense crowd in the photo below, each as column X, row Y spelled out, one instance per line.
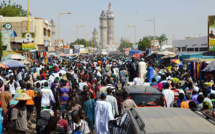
column 65, row 95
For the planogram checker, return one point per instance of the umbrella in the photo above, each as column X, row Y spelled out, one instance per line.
column 14, row 56
column 25, row 62
column 137, row 55
column 13, row 63
column 3, row 66
column 168, row 56
column 210, row 67
column 177, row 61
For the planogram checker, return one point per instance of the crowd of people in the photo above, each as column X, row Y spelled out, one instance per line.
column 80, row 95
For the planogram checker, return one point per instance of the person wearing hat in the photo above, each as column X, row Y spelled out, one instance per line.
column 102, row 118
column 19, row 114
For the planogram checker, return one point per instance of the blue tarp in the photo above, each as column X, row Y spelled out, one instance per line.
column 132, row 52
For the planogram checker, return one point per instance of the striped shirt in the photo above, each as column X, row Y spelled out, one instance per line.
column 64, row 94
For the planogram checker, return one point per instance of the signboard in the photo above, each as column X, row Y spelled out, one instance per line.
column 28, row 41
column 7, row 26
column 155, row 43
column 76, row 48
column 211, row 33
column 134, row 46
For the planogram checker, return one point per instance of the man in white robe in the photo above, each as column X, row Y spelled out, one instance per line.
column 142, row 70
column 103, row 114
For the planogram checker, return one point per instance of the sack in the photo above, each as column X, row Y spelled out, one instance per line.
column 43, row 121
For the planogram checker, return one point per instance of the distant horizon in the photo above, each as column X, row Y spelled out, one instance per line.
column 176, row 19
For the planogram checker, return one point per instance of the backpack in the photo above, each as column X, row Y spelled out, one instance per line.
column 42, row 121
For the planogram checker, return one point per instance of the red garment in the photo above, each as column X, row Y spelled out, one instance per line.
column 176, row 94
column 44, row 75
column 63, row 124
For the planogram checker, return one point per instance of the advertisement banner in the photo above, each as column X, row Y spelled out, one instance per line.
column 211, row 35
column 28, row 41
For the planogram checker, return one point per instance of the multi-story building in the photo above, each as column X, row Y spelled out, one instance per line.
column 43, row 30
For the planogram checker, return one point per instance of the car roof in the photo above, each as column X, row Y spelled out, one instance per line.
column 172, row 120
column 141, row 89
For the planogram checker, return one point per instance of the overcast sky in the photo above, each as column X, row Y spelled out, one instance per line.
column 173, row 17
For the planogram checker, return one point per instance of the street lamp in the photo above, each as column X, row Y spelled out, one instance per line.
column 77, row 33
column 153, row 20
column 59, row 15
column 134, row 33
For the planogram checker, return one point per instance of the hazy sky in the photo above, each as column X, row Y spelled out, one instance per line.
column 173, row 17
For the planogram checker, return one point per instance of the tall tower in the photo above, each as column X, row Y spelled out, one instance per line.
column 103, row 30
column 110, row 25
column 95, row 37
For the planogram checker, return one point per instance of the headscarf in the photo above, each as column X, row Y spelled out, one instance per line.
column 207, row 105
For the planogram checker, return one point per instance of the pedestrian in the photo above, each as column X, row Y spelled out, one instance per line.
column 78, row 125
column 37, row 99
column 112, row 100
column 103, row 114
column 89, row 107
column 168, row 95
column 19, row 114
column 46, row 97
column 64, row 92
column 61, row 122
column 127, row 103
column 53, row 128
column 30, row 103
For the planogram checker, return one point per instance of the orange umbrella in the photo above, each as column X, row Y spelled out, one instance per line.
column 137, row 55
column 3, row 66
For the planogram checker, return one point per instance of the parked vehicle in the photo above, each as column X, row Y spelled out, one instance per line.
column 150, row 95
column 158, row 120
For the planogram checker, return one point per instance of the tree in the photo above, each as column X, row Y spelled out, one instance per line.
column 124, row 45
column 162, row 38
column 144, row 44
column 1, row 46
column 12, row 10
column 83, row 42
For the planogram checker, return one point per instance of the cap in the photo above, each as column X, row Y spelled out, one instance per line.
column 103, row 94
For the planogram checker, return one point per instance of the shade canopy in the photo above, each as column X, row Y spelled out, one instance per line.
column 210, row 67
column 13, row 63
column 165, row 53
column 14, row 57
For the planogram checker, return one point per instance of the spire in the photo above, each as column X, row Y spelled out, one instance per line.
column 110, row 5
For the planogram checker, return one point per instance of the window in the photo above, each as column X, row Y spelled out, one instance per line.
column 49, row 33
column 204, row 49
column 183, row 48
column 179, row 49
column 190, row 49
column 196, row 49
column 44, row 32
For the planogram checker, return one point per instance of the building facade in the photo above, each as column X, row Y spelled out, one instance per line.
column 43, row 30
column 191, row 45
column 95, row 36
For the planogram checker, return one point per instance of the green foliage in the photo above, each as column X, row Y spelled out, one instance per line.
column 1, row 46
column 162, row 38
column 12, row 10
column 124, row 45
column 83, row 42
column 144, row 44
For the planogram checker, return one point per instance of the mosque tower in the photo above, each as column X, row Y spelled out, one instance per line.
column 110, row 26
column 103, row 30
column 95, row 37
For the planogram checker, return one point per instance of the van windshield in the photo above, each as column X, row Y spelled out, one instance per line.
column 150, row 99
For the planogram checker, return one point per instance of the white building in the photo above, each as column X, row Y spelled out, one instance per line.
column 191, row 45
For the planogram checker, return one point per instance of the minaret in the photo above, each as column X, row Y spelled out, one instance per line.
column 95, row 37
column 103, row 30
column 110, row 25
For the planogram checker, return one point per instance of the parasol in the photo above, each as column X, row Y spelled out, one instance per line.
column 177, row 61
column 14, row 56
column 13, row 63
